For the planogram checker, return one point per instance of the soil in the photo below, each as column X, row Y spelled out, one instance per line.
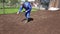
column 44, row 22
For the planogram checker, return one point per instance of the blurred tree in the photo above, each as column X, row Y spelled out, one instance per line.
column 14, row 1
column 2, row 0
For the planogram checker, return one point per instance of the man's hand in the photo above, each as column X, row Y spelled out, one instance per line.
column 25, row 11
column 18, row 12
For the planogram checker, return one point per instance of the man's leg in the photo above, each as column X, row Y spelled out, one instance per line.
column 27, row 15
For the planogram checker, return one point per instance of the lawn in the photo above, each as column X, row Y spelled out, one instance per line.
column 12, row 10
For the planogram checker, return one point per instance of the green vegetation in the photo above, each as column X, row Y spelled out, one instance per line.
column 13, row 10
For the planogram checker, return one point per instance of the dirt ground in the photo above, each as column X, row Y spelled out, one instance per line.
column 44, row 22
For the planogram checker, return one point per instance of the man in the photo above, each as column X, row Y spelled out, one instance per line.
column 27, row 6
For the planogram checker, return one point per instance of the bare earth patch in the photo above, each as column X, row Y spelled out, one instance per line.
column 44, row 22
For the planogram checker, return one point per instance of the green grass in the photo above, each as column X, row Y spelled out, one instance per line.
column 1, row 11
column 13, row 10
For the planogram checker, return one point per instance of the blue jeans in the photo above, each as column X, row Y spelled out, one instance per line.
column 27, row 14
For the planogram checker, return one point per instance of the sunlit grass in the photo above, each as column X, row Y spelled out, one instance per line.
column 13, row 10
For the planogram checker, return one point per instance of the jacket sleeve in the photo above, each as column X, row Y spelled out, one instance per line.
column 20, row 9
column 30, row 7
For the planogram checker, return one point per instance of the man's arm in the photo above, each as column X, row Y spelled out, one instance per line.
column 20, row 9
column 30, row 7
